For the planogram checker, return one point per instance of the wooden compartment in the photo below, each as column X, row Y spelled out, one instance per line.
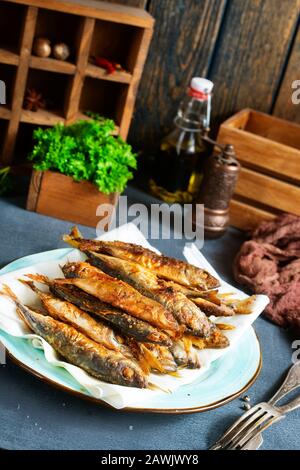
column 24, row 143
column 120, row 32
column 269, row 151
column 117, row 42
column 103, row 97
column 53, row 87
column 59, row 27
column 11, row 26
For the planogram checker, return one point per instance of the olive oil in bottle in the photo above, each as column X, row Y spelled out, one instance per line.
column 182, row 154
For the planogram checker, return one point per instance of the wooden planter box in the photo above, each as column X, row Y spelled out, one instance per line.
column 60, row 196
column 269, row 151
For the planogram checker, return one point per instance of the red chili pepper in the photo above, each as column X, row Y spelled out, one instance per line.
column 105, row 64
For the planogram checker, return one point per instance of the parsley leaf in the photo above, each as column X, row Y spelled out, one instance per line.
column 85, row 150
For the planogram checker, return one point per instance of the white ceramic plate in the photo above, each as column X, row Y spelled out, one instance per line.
column 227, row 377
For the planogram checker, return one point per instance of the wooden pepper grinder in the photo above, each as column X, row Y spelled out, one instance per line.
column 219, row 182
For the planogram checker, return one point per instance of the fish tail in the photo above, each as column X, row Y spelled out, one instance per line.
column 150, row 360
column 72, row 238
column 21, row 309
column 68, row 239
column 38, row 278
column 9, row 293
column 30, row 284
column 75, row 232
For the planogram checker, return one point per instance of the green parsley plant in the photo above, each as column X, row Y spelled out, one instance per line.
column 85, row 150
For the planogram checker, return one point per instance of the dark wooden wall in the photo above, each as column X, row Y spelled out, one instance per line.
column 249, row 48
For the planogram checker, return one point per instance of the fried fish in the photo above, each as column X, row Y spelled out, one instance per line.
column 125, row 323
column 210, row 308
column 82, row 321
column 121, row 295
column 185, row 354
column 148, row 284
column 165, row 267
column 98, row 361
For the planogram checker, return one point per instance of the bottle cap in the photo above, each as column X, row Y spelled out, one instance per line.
column 202, row 85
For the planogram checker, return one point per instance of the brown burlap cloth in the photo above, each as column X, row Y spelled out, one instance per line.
column 269, row 264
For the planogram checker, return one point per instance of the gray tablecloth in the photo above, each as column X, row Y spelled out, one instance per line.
column 34, row 415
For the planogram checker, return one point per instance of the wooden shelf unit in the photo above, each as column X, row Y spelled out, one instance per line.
column 75, row 86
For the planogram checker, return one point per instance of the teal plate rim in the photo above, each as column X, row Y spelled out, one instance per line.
column 59, row 253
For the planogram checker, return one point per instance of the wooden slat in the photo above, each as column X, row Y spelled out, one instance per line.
column 96, row 9
column 256, row 152
column 246, row 217
column 118, row 76
column 20, row 84
column 42, row 117
column 284, row 107
column 8, row 57
column 274, row 129
column 128, row 100
column 34, row 190
column 85, row 38
column 250, row 56
column 5, row 113
column 52, row 65
column 182, row 46
column 132, row 3
column 269, row 191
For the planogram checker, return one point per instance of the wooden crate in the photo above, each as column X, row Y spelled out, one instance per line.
column 90, row 28
column 60, row 196
column 269, row 151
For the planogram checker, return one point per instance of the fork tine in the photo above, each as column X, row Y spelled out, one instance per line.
column 261, row 429
column 243, row 435
column 253, row 411
column 240, row 430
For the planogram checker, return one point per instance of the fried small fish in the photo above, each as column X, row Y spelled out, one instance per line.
column 153, row 357
column 125, row 323
column 148, row 284
column 82, row 321
column 210, row 308
column 98, row 361
column 121, row 295
column 185, row 354
column 217, row 340
column 165, row 267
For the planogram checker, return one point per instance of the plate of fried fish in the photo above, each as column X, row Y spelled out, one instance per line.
column 115, row 321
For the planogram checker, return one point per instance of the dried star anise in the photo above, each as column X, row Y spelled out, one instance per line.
column 34, row 100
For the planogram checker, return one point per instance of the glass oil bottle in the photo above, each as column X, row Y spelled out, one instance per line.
column 182, row 155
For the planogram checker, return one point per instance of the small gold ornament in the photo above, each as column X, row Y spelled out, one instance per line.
column 42, row 47
column 61, row 51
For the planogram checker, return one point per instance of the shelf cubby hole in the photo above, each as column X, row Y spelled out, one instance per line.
column 8, row 75
column 53, row 87
column 103, row 97
column 24, row 142
column 116, row 42
column 59, row 27
column 12, row 18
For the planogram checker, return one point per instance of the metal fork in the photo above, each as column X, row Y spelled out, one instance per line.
column 248, row 428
